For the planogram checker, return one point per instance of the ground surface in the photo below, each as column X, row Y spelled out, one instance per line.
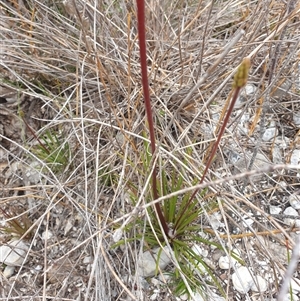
column 70, row 78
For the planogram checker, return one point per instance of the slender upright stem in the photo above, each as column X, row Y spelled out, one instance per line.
column 240, row 80
column 147, row 102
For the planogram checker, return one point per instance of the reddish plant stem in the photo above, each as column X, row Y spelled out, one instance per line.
column 213, row 152
column 147, row 102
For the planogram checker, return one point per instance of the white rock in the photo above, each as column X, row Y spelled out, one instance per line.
column 207, row 130
column 199, row 252
column 197, row 249
column 215, row 221
column 295, row 157
column 247, row 220
column 148, row 261
column 259, row 285
column 32, row 173
column 204, row 253
column 47, row 235
column 87, row 259
column 154, row 281
column 294, row 201
column 275, row 209
column 269, row 134
column 117, row 235
column 291, row 221
column 88, row 268
column 225, row 262
column 282, row 142
column 199, row 267
column 242, row 280
column 250, row 89
column 38, row 268
column 13, row 253
column 296, row 118
column 165, row 277
column 8, row 271
column 154, row 296
column 209, row 263
column 290, row 211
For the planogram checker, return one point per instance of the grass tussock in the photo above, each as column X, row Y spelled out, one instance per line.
column 71, row 82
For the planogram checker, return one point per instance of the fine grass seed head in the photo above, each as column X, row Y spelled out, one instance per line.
column 241, row 76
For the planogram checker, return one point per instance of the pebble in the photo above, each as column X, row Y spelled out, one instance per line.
column 215, row 221
column 225, row 262
column 275, row 209
column 147, row 264
column 47, row 235
column 32, row 173
column 117, row 235
column 290, row 211
column 291, row 221
column 242, row 280
column 247, row 220
column 269, row 134
column 154, row 296
column 38, row 268
column 164, row 278
column 155, row 281
column 282, row 142
column 203, row 254
column 216, row 254
column 259, row 285
column 197, row 249
column 87, row 259
column 14, row 253
column 295, row 157
column 294, row 201
column 8, row 271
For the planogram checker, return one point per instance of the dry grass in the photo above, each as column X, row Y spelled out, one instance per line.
column 74, row 66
